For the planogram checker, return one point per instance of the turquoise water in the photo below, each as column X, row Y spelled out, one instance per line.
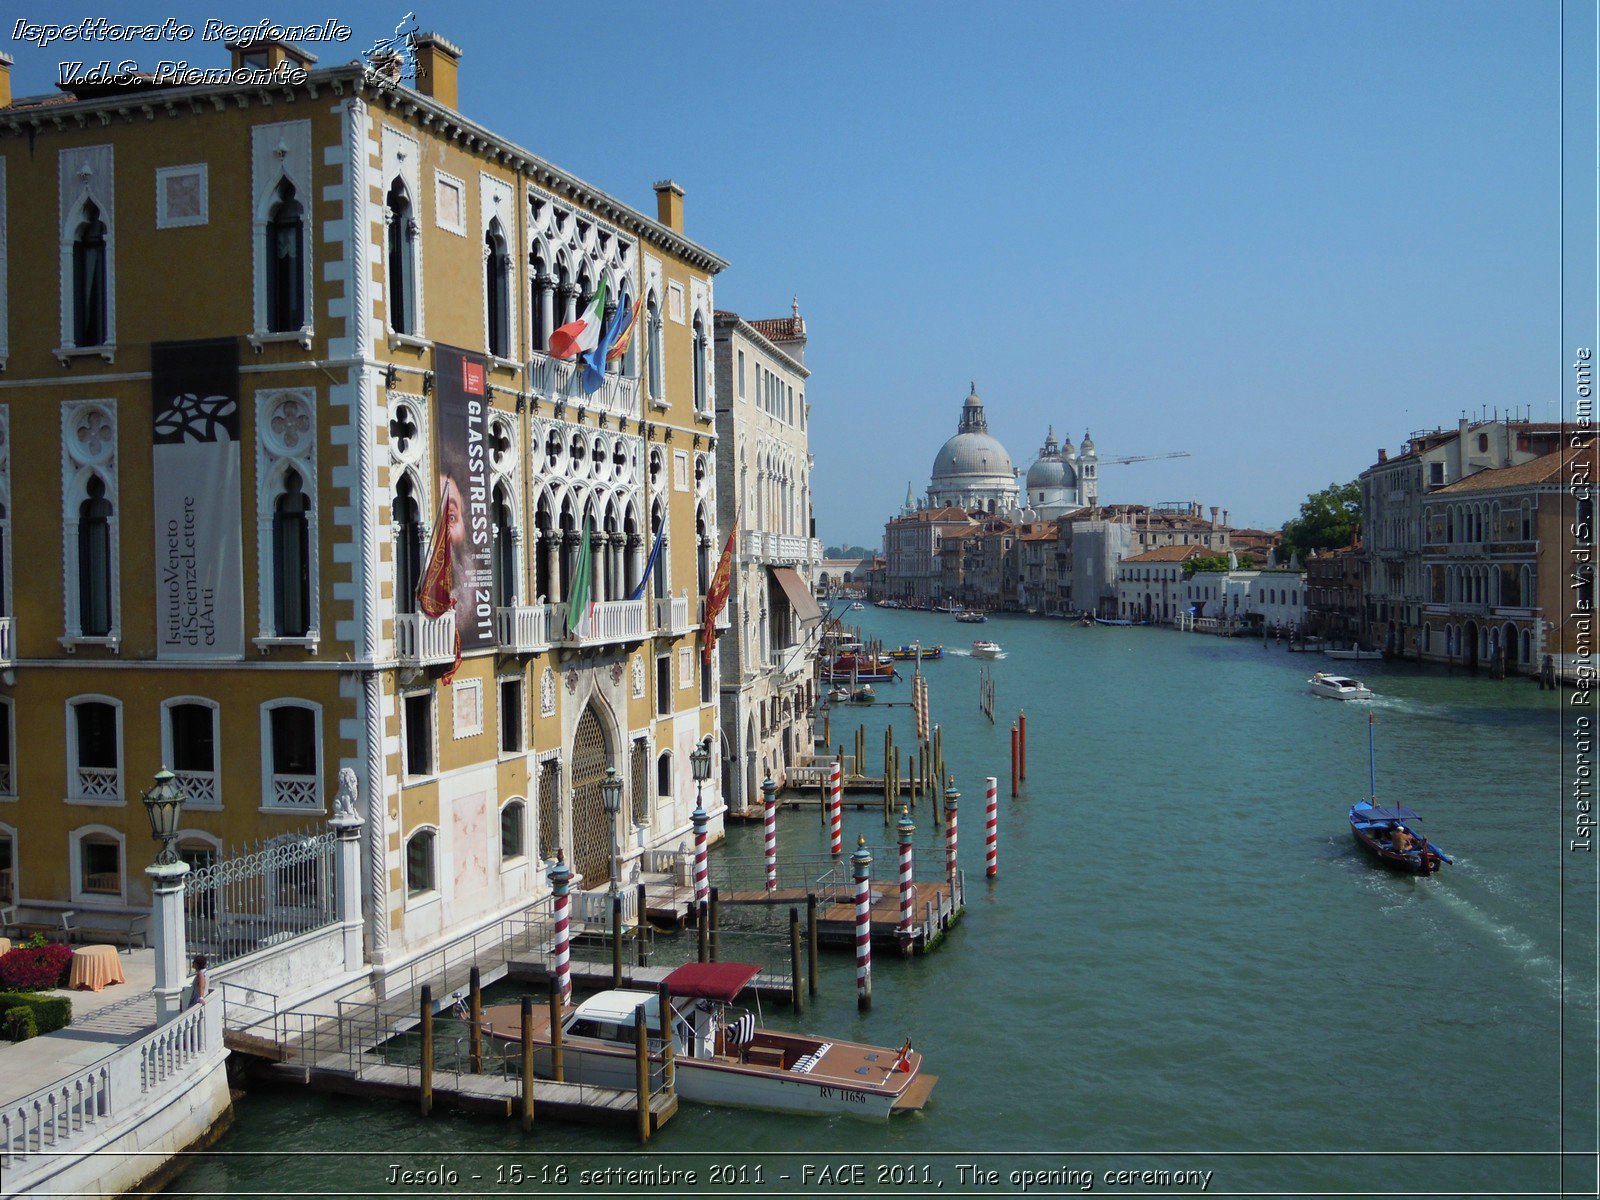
column 1185, row 963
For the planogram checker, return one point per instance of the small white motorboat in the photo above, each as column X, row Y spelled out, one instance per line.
column 719, row 1054
column 987, row 650
column 1339, row 687
column 855, row 606
column 1354, row 654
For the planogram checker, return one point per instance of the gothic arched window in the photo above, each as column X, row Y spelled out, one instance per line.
column 402, row 262
column 94, row 561
column 285, row 259
column 291, row 559
column 89, row 279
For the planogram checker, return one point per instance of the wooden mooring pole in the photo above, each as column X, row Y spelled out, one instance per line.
column 703, row 930
column 811, row 941
column 1022, row 744
column 425, row 1076
column 715, row 917
column 641, row 1059
column 1013, row 760
column 475, row 1016
column 557, row 1066
column 639, row 930
column 664, row 1000
column 616, row 940
column 527, row 1064
column 794, row 960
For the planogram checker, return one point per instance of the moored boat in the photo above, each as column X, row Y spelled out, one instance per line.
column 863, row 694
column 1354, row 654
column 1111, row 621
column 838, row 695
column 982, row 649
column 971, row 617
column 720, row 1055
column 917, row 650
column 1339, row 687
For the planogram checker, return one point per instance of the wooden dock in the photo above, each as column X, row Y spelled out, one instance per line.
column 936, row 907
column 492, row 1095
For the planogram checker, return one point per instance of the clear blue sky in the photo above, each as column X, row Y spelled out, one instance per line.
column 1277, row 235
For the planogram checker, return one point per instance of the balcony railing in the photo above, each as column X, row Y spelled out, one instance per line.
column 425, row 640
column 523, row 629
column 723, row 619
column 562, row 380
column 199, row 787
column 672, row 615
column 296, row 791
column 8, row 653
column 613, row 621
column 99, row 783
column 785, row 548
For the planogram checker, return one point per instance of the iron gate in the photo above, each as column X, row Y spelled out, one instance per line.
column 591, row 837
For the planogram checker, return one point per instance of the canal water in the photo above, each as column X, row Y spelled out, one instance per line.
column 1184, row 965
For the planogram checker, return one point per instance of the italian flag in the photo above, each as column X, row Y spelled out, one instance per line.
column 580, row 600
column 582, row 335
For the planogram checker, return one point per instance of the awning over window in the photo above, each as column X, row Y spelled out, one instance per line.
column 800, row 597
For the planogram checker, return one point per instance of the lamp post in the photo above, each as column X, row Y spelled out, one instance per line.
column 700, row 760
column 164, row 804
column 611, row 797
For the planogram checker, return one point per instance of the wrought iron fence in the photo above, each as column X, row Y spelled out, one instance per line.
column 250, row 901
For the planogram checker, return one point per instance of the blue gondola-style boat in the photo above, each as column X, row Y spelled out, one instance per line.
column 1390, row 834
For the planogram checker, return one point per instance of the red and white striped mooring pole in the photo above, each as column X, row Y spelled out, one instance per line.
column 560, row 879
column 702, row 881
column 991, row 838
column 862, row 861
column 908, row 891
column 769, row 793
column 835, row 809
column 950, row 798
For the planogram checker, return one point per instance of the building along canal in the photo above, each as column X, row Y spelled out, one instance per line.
column 1185, row 951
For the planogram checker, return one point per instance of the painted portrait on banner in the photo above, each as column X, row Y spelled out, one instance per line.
column 461, row 384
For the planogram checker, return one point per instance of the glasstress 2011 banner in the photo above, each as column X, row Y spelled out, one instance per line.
column 463, row 488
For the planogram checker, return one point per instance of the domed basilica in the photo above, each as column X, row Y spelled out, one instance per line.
column 973, row 471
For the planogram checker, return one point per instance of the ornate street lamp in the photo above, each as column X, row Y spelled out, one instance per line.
column 611, row 797
column 164, row 803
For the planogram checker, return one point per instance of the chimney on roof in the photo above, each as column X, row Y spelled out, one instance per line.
column 1213, row 516
column 438, row 65
column 5, row 80
column 270, row 53
column 1224, row 518
column 1383, row 455
column 669, row 205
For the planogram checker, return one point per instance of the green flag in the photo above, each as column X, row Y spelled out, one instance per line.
column 580, row 600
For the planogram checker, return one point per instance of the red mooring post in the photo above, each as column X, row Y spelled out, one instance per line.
column 991, row 836
column 1013, row 760
column 861, row 860
column 1022, row 744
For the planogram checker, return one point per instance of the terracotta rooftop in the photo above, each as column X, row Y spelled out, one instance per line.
column 780, row 329
column 1169, row 554
column 1549, row 468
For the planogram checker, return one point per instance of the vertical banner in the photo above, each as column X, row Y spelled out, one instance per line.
column 460, row 385
column 194, row 409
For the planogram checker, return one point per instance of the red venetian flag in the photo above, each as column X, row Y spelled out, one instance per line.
column 903, row 1061
column 436, row 590
column 717, row 597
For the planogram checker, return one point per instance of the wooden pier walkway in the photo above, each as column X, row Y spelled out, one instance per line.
column 493, row 1095
column 935, row 908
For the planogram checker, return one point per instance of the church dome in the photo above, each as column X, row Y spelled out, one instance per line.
column 973, row 451
column 1051, row 470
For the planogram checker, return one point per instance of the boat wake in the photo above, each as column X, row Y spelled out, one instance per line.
column 1536, row 963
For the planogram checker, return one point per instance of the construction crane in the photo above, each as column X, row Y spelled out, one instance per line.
column 1133, row 458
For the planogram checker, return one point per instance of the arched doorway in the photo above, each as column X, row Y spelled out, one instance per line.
column 1469, row 645
column 1508, row 644
column 591, row 836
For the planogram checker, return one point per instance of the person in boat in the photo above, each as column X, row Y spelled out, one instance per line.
column 1400, row 839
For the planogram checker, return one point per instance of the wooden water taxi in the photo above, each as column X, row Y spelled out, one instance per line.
column 720, row 1055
